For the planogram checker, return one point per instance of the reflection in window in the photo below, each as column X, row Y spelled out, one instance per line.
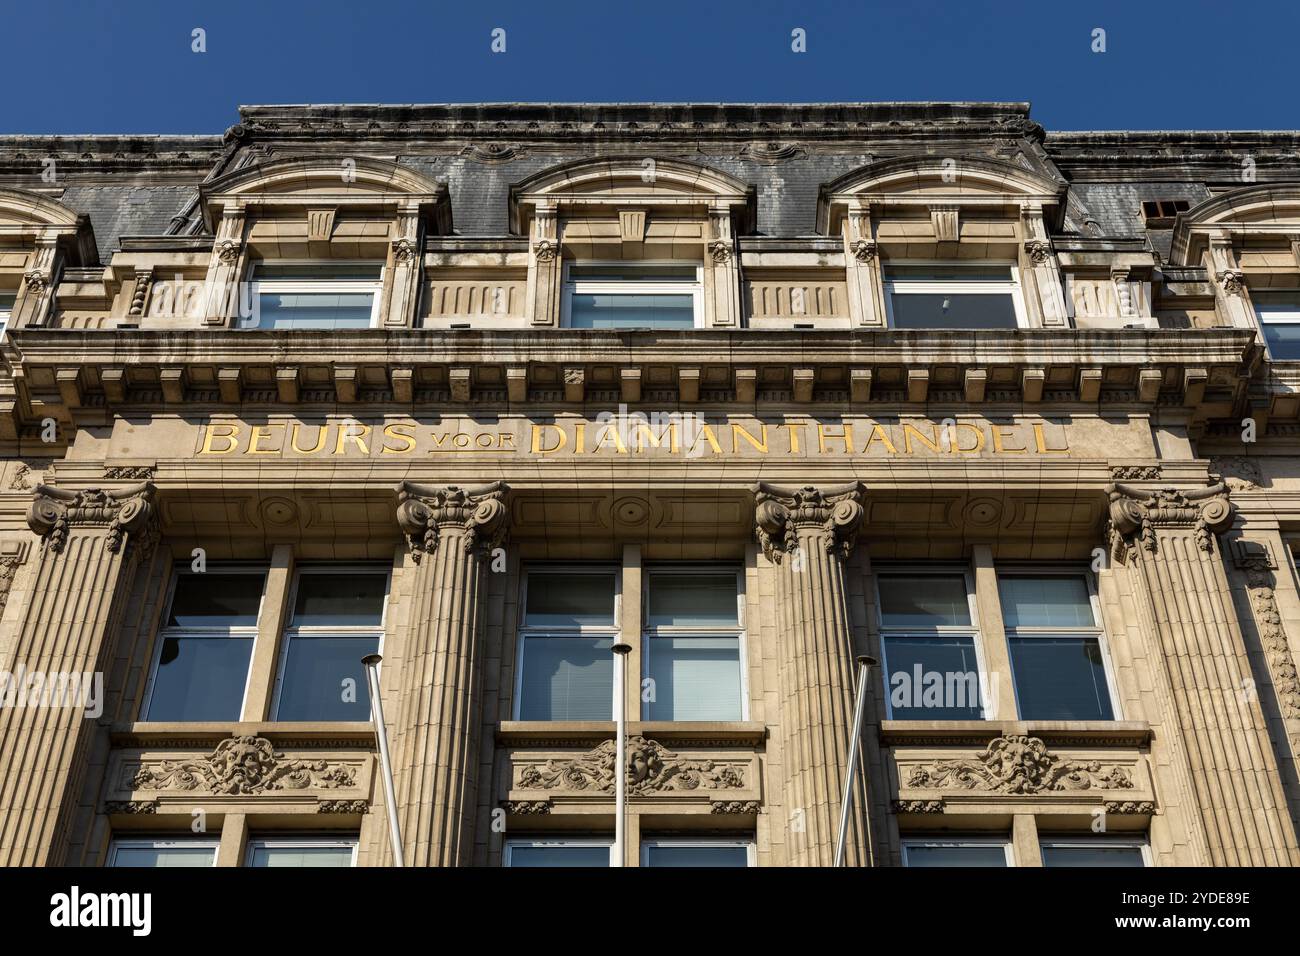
column 628, row 296
column 557, row 853
column 162, row 853
column 298, row 852
column 692, row 644
column 1278, row 312
column 956, row 852
column 326, row 295
column 566, row 669
column 940, row 296
column 1093, row 852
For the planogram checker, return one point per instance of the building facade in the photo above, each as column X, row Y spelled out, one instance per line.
column 748, row 391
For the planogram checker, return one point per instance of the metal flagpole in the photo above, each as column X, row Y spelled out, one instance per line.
column 859, row 713
column 371, row 661
column 621, row 651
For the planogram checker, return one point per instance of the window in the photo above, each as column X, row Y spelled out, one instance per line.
column 940, row 296
column 201, row 668
column 302, row 852
column 697, row 853
column 7, row 300
column 1279, row 319
column 1094, row 851
column 623, row 296
column 953, row 851
column 932, row 667
column 1057, row 659
column 693, row 644
column 566, row 666
column 326, row 295
column 162, row 852
column 542, row 853
column 337, row 619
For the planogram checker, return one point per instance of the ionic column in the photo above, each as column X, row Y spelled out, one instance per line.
column 1167, row 539
column 807, row 533
column 451, row 532
column 92, row 542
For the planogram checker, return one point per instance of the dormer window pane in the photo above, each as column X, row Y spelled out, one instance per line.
column 323, row 295
column 621, row 296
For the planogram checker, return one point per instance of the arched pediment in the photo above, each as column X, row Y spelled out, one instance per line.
column 629, row 181
column 18, row 207
column 27, row 217
column 936, row 180
column 1260, row 208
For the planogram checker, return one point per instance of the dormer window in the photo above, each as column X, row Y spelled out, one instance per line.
column 943, row 296
column 632, row 296
column 320, row 295
column 1278, row 311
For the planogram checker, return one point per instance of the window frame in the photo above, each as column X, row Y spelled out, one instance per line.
column 508, row 848
column 751, row 850
column 1099, row 627
column 244, row 630
column 1293, row 316
column 6, row 313
column 158, row 842
column 650, row 632
column 373, row 286
column 523, row 630
column 287, row 630
column 973, row 630
column 570, row 287
column 1014, row 286
column 1142, row 843
column 958, row 841
column 304, row 841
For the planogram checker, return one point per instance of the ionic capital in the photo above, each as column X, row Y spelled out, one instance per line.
column 478, row 515
column 1137, row 513
column 781, row 513
column 128, row 514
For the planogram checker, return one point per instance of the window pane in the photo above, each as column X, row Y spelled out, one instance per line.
column 985, row 855
column 624, row 272
column 315, row 668
column 200, row 678
column 567, row 678
column 1283, row 340
column 300, row 856
column 560, row 599
column 953, row 310
column 695, row 678
column 154, row 856
column 632, row 311
column 1045, row 602
column 216, row 600
column 1092, row 856
column 313, row 310
column 1060, row 678
column 340, row 600
column 925, row 600
column 692, row 599
column 319, row 271
column 933, row 678
column 937, row 272
column 685, row 855
column 7, row 300
column 529, row 856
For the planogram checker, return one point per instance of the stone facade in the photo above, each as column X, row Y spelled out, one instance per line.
column 1131, row 425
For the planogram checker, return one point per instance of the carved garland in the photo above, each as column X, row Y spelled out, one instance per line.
column 128, row 514
column 1018, row 764
column 243, row 765
column 651, row 767
column 424, row 512
column 1136, row 513
column 780, row 513
column 1255, row 559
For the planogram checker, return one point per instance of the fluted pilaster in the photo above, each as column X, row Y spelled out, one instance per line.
column 807, row 533
column 92, row 541
column 451, row 532
column 1167, row 538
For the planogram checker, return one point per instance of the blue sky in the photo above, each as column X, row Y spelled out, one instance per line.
column 105, row 66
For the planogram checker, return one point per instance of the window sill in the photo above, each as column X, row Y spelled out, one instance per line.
column 577, row 732
column 1106, row 733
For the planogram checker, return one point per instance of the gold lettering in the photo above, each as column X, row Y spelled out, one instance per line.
column 255, row 439
column 1000, row 434
column 706, row 434
column 347, row 434
column 645, row 432
column 878, row 433
column 793, row 428
column 618, row 440
column 408, row 440
column 738, row 432
column 956, row 439
column 439, row 439
column 909, row 430
column 230, row 436
column 562, row 439
column 580, row 438
column 1041, row 442
column 846, row 436
column 320, row 440
column 505, row 438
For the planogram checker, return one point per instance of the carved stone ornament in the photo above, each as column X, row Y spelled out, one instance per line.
column 227, row 250
column 918, row 806
column 780, row 513
column 737, row 807
column 404, row 250
column 1256, row 560
column 343, row 806
column 243, row 765
column 128, row 472
column 1232, row 281
column 1237, row 472
column 1135, row 513
column 1136, row 473
column 133, row 807
column 1130, row 807
column 545, row 250
column 529, row 808
column 37, row 282
column 650, row 767
column 127, row 513
column 719, row 250
column 1021, row 765
column 864, row 250
column 1039, row 251
column 424, row 512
